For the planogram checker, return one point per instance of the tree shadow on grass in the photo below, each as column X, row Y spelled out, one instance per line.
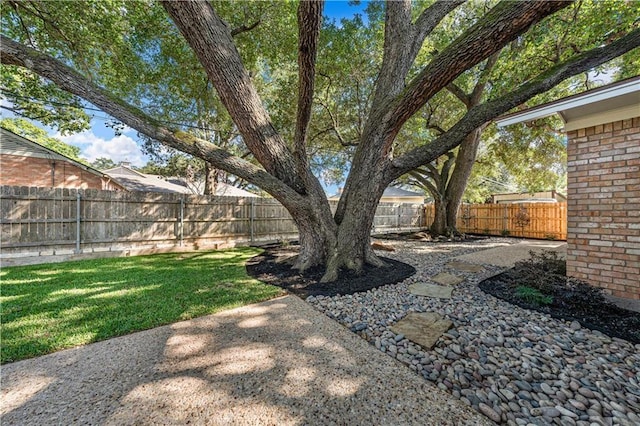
column 88, row 301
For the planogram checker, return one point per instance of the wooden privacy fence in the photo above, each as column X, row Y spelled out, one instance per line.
column 530, row 220
column 62, row 221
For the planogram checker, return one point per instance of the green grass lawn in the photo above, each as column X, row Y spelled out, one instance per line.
column 50, row 307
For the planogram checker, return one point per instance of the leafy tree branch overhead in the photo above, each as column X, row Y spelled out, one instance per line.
column 223, row 61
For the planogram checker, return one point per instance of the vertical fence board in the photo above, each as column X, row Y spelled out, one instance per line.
column 529, row 220
column 40, row 218
column 45, row 219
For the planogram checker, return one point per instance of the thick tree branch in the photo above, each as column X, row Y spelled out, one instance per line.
column 211, row 40
column 395, row 58
column 499, row 26
column 445, row 173
column 478, row 90
column 424, row 182
column 309, row 20
column 403, row 40
column 487, row 111
column 13, row 53
column 428, row 20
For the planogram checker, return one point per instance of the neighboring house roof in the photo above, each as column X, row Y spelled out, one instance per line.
column 550, row 196
column 14, row 144
column 134, row 180
column 613, row 102
column 231, row 191
column 391, row 191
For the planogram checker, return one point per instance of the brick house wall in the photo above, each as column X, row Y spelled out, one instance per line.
column 42, row 172
column 604, row 206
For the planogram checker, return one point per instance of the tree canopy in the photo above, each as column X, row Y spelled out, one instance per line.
column 264, row 71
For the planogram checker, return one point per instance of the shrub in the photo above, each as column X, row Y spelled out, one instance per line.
column 544, row 271
column 505, row 232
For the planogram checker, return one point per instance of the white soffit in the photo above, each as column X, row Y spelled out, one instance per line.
column 618, row 101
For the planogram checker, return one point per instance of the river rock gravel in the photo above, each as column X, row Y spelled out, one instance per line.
column 515, row 366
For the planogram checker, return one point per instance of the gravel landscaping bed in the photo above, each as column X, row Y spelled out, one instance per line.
column 514, row 365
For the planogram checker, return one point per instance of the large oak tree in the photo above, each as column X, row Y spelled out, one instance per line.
column 282, row 160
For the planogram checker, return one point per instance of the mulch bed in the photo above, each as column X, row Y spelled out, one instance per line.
column 576, row 303
column 272, row 268
column 415, row 236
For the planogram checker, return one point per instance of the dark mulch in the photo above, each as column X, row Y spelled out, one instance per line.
column 413, row 236
column 271, row 267
column 576, row 301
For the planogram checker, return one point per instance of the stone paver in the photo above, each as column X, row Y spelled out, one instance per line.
column 430, row 290
column 423, row 328
column 464, row 266
column 447, row 279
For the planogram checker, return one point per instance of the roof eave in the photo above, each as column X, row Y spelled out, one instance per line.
column 592, row 96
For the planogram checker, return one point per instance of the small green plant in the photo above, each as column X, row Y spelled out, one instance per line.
column 486, row 231
column 550, row 236
column 505, row 232
column 533, row 296
column 544, row 271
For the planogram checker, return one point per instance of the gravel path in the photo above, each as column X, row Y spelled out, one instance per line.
column 513, row 365
column 274, row 363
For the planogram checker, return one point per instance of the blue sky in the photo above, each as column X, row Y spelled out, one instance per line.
column 343, row 9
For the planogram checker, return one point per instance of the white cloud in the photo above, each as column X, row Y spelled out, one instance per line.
column 118, row 148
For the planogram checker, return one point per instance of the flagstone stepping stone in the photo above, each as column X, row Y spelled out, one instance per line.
column 430, row 290
column 424, row 328
column 447, row 279
column 464, row 266
column 377, row 245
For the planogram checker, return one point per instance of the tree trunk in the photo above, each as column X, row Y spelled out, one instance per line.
column 439, row 225
column 317, row 240
column 460, row 176
column 353, row 243
column 211, row 179
column 357, row 207
column 446, row 209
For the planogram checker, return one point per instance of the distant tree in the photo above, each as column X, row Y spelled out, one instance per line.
column 532, row 155
column 30, row 131
column 103, row 163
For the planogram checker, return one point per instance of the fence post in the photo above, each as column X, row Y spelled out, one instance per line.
column 181, row 227
column 78, row 250
column 252, row 215
column 505, row 219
